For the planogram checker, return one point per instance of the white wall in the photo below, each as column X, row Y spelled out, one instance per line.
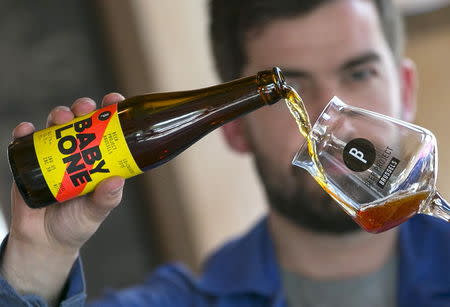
column 416, row 6
column 3, row 227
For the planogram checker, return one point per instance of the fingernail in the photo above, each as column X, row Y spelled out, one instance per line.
column 24, row 123
column 85, row 100
column 116, row 191
column 20, row 125
column 62, row 108
column 117, row 97
column 58, row 108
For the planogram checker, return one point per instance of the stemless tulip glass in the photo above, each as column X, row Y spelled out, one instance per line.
column 379, row 169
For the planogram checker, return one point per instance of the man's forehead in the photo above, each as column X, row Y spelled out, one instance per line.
column 331, row 17
column 333, row 29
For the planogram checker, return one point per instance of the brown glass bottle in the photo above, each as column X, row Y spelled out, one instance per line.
column 159, row 126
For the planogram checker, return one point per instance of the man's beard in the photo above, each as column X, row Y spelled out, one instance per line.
column 305, row 204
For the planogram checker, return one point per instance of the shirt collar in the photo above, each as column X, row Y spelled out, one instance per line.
column 249, row 264
column 245, row 265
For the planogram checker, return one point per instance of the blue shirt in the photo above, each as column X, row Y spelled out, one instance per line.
column 245, row 273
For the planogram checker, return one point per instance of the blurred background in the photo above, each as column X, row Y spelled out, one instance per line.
column 53, row 52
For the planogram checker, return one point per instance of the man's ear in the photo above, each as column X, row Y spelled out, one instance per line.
column 409, row 85
column 235, row 136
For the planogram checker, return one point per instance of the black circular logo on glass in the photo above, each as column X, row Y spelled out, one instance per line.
column 104, row 115
column 359, row 155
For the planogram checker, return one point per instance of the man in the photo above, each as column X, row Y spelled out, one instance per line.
column 307, row 252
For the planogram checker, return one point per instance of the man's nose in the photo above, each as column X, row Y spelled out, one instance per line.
column 322, row 94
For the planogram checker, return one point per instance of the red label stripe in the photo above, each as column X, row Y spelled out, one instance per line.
column 67, row 189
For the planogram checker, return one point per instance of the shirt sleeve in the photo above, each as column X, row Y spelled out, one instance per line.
column 74, row 293
column 171, row 285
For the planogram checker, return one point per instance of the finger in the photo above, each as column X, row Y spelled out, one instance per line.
column 106, row 196
column 59, row 115
column 112, row 98
column 83, row 106
column 23, row 129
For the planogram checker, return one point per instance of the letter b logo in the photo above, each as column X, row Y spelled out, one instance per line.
column 359, row 155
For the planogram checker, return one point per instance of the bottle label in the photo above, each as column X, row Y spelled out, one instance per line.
column 76, row 156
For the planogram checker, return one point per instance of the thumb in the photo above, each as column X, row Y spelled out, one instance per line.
column 106, row 196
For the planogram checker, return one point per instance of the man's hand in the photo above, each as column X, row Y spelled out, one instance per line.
column 44, row 243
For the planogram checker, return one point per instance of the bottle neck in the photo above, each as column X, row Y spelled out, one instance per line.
column 271, row 85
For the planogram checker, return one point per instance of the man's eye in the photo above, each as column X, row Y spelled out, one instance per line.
column 361, row 74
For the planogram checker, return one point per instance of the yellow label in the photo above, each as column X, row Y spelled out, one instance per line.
column 76, row 156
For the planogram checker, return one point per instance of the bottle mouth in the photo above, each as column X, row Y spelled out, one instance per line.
column 283, row 87
column 279, row 80
column 272, row 85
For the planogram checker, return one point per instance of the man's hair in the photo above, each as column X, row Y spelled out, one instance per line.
column 231, row 20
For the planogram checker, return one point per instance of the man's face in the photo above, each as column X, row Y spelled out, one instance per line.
column 337, row 49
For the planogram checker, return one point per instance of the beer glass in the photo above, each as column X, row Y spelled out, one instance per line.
column 379, row 169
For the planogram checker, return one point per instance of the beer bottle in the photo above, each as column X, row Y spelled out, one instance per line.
column 125, row 139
